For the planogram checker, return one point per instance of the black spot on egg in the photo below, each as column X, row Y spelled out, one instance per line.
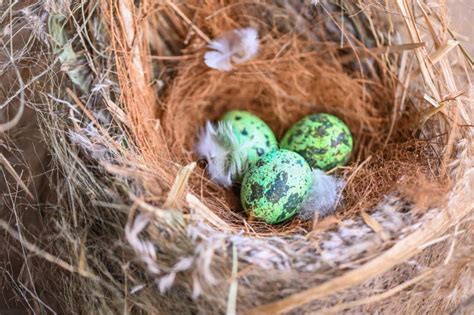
column 238, row 117
column 245, row 132
column 295, row 135
column 293, row 202
column 326, row 122
column 257, row 191
column 341, row 138
column 260, row 151
column 319, row 151
column 278, row 188
column 307, row 153
column 322, row 119
column 345, row 138
column 321, row 131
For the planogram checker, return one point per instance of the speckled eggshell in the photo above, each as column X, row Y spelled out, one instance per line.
column 274, row 189
column 249, row 128
column 323, row 140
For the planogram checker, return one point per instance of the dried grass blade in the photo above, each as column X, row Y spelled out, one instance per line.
column 441, row 52
column 179, row 186
column 430, row 112
column 14, row 121
column 11, row 170
column 431, row 100
column 410, row 22
column 116, row 111
column 374, row 225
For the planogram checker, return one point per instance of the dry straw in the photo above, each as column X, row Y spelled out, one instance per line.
column 136, row 225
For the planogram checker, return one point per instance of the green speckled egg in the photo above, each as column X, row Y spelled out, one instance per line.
column 274, row 189
column 323, row 140
column 252, row 133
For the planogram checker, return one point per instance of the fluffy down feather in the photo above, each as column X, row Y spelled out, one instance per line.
column 225, row 155
column 323, row 197
column 236, row 46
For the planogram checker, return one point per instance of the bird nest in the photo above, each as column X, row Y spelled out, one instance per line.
column 138, row 224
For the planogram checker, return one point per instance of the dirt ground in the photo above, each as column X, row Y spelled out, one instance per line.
column 24, row 150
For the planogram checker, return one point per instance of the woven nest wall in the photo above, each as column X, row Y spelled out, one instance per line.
column 135, row 224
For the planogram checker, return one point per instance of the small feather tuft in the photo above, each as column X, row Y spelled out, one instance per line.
column 226, row 156
column 237, row 46
column 323, row 197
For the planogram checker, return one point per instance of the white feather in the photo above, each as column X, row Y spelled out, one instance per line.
column 237, row 46
column 226, row 157
column 323, row 197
